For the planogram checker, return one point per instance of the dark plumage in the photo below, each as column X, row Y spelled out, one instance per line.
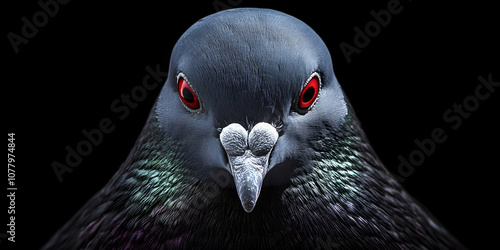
column 251, row 104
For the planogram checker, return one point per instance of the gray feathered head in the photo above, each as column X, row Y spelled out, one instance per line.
column 246, row 89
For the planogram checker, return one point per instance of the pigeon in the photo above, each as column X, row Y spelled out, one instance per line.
column 252, row 144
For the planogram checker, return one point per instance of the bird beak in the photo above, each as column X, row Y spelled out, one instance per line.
column 248, row 154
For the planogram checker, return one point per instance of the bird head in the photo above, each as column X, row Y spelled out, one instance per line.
column 246, row 90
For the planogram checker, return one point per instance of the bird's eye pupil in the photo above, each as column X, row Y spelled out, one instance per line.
column 308, row 94
column 188, row 96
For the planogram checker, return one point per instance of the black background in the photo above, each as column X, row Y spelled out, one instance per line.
column 427, row 58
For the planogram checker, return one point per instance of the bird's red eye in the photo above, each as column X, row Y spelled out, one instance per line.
column 309, row 93
column 187, row 95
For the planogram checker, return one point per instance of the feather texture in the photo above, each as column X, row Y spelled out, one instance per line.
column 344, row 197
column 326, row 189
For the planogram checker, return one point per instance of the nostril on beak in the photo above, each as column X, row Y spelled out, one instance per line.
column 248, row 155
column 262, row 138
